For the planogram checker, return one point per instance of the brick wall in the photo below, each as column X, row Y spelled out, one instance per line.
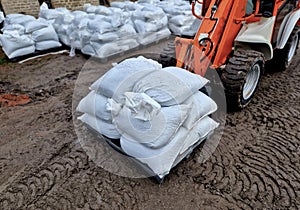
column 31, row 7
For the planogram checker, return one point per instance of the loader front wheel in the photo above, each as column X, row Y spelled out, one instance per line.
column 168, row 55
column 241, row 77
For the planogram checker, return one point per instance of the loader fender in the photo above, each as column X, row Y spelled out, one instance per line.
column 288, row 28
column 257, row 36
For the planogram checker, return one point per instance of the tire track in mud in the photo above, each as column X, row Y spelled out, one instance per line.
column 30, row 187
column 265, row 169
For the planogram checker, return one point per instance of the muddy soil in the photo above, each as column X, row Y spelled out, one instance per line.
column 42, row 165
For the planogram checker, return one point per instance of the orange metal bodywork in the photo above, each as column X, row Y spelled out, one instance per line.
column 219, row 36
column 221, row 29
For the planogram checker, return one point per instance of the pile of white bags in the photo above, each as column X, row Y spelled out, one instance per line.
column 23, row 35
column 157, row 113
column 151, row 24
column 98, row 31
column 181, row 19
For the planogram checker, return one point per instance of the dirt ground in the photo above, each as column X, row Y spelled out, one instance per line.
column 42, row 165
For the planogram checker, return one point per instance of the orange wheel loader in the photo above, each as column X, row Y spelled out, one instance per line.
column 237, row 38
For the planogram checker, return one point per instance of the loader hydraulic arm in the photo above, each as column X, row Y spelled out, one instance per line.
column 214, row 40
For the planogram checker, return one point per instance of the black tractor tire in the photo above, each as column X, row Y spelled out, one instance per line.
column 282, row 58
column 168, row 55
column 241, row 77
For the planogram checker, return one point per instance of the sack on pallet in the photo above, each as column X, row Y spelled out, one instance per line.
column 15, row 45
column 45, row 34
column 182, row 20
column 35, row 25
column 46, row 45
column 14, row 27
column 102, row 27
column 104, row 37
column 161, row 160
column 200, row 131
column 88, row 50
column 100, row 126
column 145, row 27
column 145, row 39
column 122, row 77
column 95, row 105
column 154, row 133
column 126, row 30
column 202, row 107
column 158, row 85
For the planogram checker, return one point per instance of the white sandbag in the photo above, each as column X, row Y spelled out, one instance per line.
column 126, row 30
column 104, row 50
column 13, row 41
column 90, row 8
column 152, row 37
column 159, row 85
column 102, row 127
column 179, row 30
column 202, row 107
column 120, row 5
column 127, row 42
column 14, row 27
column 200, row 131
column 163, row 33
column 161, row 23
column 61, row 29
column 34, row 25
column 81, row 23
column 21, row 52
column 65, row 39
column 104, row 37
column 182, row 20
column 52, row 14
column 88, row 50
column 95, row 105
column 156, row 132
column 101, row 27
column 122, row 77
column 45, row 34
column 22, row 20
column 10, row 17
column 159, row 160
column 46, row 45
column 145, row 27
column 173, row 11
column 102, row 10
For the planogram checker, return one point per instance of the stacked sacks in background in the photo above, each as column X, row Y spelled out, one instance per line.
column 115, row 34
column 23, row 35
column 151, row 24
column 156, row 121
column 181, row 19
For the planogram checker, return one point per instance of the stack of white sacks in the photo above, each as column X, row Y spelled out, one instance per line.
column 98, row 31
column 23, row 35
column 151, row 24
column 181, row 19
column 157, row 113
